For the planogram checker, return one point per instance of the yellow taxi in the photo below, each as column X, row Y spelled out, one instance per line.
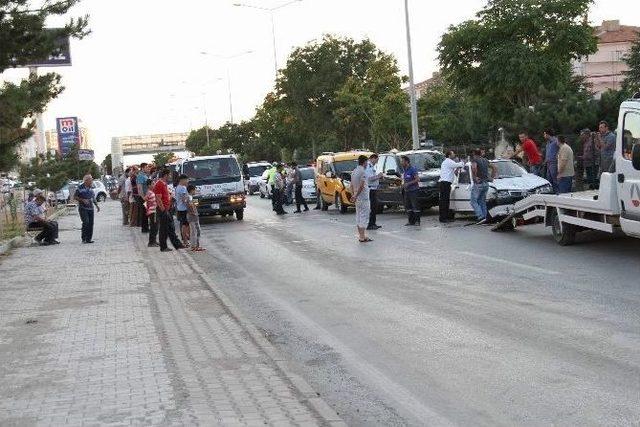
column 333, row 174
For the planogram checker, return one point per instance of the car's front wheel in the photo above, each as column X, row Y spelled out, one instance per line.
column 239, row 214
column 101, row 197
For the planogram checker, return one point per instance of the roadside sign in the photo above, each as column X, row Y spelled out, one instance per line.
column 59, row 57
column 68, row 134
column 84, row 154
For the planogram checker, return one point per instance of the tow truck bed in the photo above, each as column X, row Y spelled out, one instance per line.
column 587, row 209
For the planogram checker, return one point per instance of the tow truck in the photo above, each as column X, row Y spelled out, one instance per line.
column 613, row 208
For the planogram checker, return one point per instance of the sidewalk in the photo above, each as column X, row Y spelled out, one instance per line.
column 115, row 333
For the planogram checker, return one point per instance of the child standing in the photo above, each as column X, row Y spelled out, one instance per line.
column 193, row 219
column 150, row 202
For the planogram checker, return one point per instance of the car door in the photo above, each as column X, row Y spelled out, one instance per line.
column 461, row 191
column 393, row 175
column 383, row 189
column 628, row 176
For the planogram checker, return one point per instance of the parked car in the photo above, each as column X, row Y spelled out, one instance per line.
column 333, row 178
column 63, row 195
column 255, row 171
column 308, row 184
column 390, row 193
column 263, row 186
column 512, row 183
column 99, row 190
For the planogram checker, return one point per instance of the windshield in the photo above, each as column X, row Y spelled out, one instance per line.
column 426, row 161
column 256, row 170
column 508, row 170
column 307, row 173
column 345, row 166
column 211, row 168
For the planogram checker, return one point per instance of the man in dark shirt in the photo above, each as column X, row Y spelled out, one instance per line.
column 411, row 184
column 481, row 177
column 86, row 201
column 163, row 213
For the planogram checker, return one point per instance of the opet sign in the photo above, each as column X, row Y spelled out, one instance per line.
column 68, row 134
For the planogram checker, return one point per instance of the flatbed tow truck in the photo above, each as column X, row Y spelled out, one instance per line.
column 613, row 208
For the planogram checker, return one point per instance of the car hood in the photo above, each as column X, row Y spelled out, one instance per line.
column 525, row 182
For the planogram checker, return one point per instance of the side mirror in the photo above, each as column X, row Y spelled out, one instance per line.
column 329, row 174
column 345, row 176
column 635, row 156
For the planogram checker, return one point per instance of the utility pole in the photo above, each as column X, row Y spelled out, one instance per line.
column 412, row 87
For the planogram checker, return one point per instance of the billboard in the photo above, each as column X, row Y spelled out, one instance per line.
column 68, row 134
column 60, row 56
column 84, row 154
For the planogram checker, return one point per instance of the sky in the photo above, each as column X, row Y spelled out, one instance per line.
column 156, row 66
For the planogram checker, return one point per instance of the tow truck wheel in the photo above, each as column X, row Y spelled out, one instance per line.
column 564, row 234
column 239, row 214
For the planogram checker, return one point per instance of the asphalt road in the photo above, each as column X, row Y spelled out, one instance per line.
column 440, row 325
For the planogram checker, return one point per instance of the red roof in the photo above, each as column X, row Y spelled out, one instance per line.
column 613, row 32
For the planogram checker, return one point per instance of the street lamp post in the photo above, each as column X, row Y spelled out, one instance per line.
column 271, row 11
column 227, row 59
column 412, row 87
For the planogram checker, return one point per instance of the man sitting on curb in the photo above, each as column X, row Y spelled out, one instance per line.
column 34, row 217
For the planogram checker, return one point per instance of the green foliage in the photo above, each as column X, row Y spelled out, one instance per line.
column 334, row 94
column 107, row 164
column 52, row 172
column 24, row 39
column 162, row 159
column 515, row 50
column 631, row 82
column 197, row 142
column 452, row 116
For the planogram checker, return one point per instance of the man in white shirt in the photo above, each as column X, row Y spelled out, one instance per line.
column 373, row 182
column 447, row 175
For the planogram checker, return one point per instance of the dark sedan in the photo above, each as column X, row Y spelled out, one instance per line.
column 391, row 193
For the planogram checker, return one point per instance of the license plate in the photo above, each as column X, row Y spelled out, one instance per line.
column 215, row 206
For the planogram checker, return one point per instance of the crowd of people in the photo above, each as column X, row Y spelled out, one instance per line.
column 565, row 169
column 286, row 186
column 149, row 202
column 557, row 163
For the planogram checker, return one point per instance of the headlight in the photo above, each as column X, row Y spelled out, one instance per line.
column 237, row 198
column 502, row 194
column 545, row 189
column 346, row 183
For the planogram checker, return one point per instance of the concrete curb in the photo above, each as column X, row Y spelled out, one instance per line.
column 6, row 248
column 300, row 384
column 18, row 241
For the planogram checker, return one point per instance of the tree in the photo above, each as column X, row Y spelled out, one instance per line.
column 452, row 116
column 374, row 108
column 107, row 164
column 162, row 159
column 302, row 110
column 197, row 142
column 24, row 39
column 515, row 50
column 52, row 172
column 631, row 81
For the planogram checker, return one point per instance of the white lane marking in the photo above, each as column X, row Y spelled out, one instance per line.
column 511, row 263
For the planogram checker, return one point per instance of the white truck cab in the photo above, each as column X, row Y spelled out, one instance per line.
column 614, row 207
column 218, row 181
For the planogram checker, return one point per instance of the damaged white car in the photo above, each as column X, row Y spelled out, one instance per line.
column 511, row 184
